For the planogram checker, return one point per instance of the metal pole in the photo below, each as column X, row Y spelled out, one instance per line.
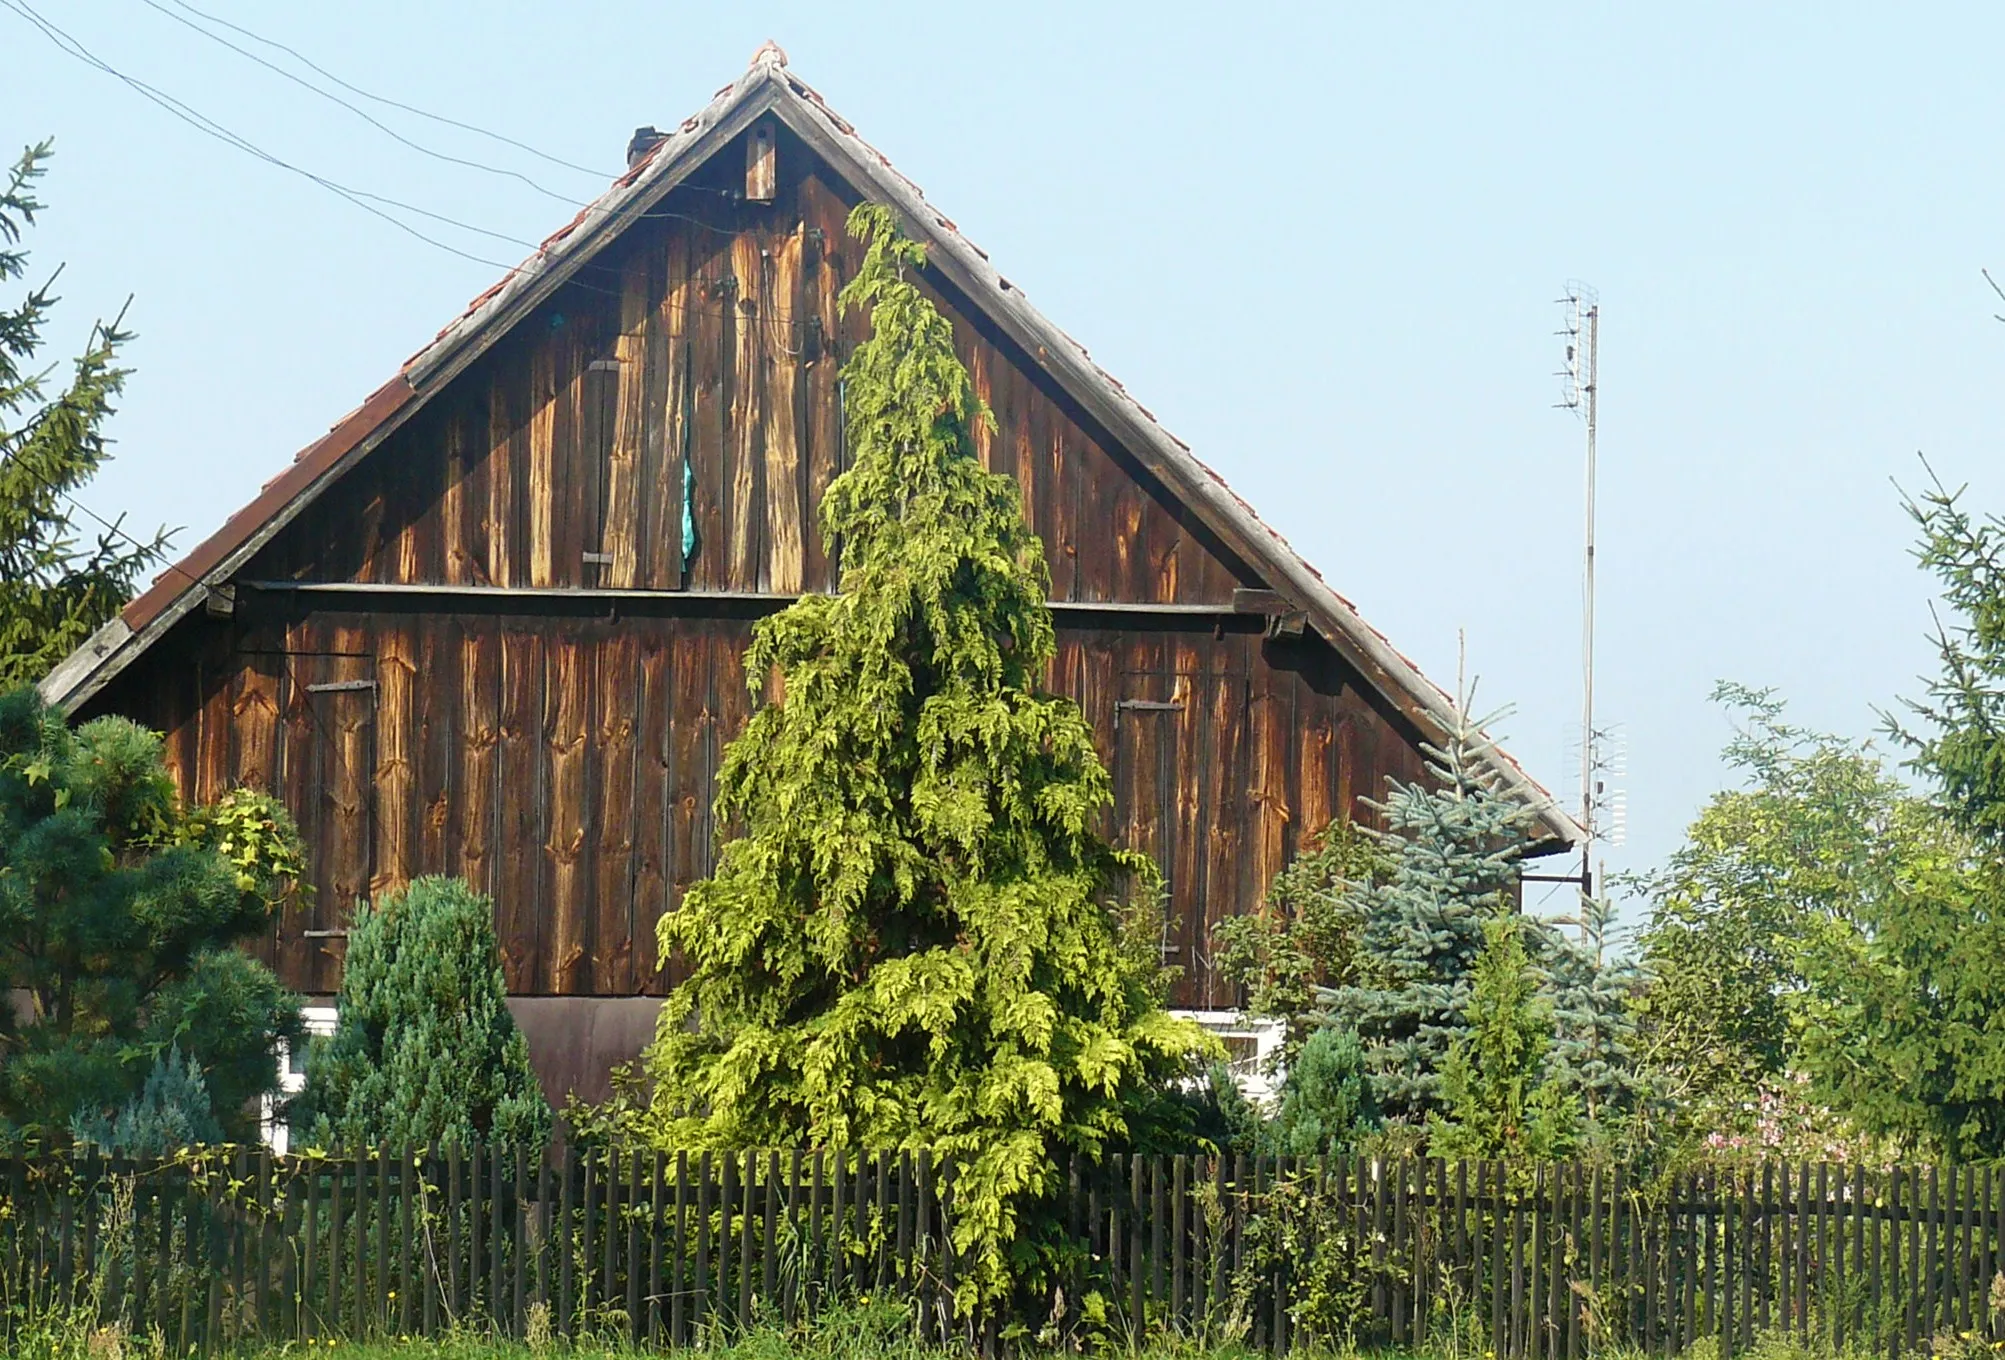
column 1591, row 390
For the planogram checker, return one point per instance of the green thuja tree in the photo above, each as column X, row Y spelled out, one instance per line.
column 1450, row 845
column 121, row 913
column 425, row 1052
column 917, row 939
column 1500, row 1096
column 57, row 583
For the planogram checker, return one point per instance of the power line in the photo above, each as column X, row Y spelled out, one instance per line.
column 209, row 127
column 304, row 60
column 216, row 130
column 359, row 112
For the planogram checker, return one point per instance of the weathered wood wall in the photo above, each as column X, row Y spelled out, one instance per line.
column 558, row 750
column 711, row 340
column 564, row 765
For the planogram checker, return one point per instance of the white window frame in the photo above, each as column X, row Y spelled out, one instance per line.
column 1259, row 1077
column 320, row 1022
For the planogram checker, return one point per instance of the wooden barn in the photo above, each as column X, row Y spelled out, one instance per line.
column 491, row 624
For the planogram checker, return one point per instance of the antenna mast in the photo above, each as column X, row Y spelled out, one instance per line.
column 1582, row 332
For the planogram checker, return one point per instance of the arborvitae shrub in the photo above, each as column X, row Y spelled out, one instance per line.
column 918, row 939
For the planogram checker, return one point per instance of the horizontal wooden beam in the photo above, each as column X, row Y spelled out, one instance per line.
column 601, row 599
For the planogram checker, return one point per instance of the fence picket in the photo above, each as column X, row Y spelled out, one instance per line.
column 1565, row 1260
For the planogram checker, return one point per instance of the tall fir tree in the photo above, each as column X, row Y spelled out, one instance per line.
column 57, row 583
column 1500, row 1096
column 919, row 940
column 425, row 1052
column 121, row 917
column 1451, row 845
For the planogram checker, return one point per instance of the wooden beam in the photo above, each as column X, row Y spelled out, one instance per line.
column 602, row 598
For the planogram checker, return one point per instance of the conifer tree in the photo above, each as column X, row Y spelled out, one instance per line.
column 916, row 941
column 1451, row 846
column 1500, row 1097
column 424, row 1052
column 121, row 913
column 1326, row 1101
column 171, row 1111
column 54, row 590
column 1593, row 997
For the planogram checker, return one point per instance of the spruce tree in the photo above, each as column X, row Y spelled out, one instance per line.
column 424, row 1051
column 918, row 938
column 1593, row 996
column 1500, row 1097
column 57, row 583
column 121, row 913
column 1451, row 846
column 171, row 1111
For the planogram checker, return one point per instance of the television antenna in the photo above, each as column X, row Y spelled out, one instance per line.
column 1580, row 393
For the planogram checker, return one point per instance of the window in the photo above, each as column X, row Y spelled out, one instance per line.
column 292, row 1076
column 1249, row 1045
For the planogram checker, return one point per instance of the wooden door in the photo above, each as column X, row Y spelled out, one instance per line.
column 1180, row 797
column 331, row 789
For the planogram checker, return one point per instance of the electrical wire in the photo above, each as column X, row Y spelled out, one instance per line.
column 211, row 128
column 363, row 198
column 384, row 100
column 359, row 112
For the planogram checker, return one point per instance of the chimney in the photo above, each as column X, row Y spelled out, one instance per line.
column 645, row 139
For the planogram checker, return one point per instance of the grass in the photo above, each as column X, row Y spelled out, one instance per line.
column 855, row 1332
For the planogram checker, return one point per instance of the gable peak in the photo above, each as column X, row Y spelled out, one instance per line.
column 770, row 53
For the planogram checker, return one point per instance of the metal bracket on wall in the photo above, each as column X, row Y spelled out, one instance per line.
column 340, row 686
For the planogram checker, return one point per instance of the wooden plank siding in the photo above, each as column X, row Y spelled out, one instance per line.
column 566, row 765
column 561, row 752
column 571, row 434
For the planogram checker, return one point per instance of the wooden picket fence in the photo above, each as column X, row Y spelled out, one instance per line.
column 1540, row 1263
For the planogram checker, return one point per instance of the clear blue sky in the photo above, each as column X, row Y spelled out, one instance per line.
column 1321, row 243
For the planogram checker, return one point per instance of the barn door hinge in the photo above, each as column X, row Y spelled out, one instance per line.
column 1151, row 705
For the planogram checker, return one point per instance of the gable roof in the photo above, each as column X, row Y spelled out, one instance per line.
column 768, row 89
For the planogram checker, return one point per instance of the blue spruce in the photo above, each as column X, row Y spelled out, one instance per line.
column 1451, row 844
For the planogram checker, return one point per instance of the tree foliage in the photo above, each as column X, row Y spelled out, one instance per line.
column 919, row 940
column 1500, row 1096
column 1451, row 845
column 1959, row 747
column 1831, row 921
column 1326, row 1101
column 57, row 584
column 1304, row 938
column 425, row 1052
column 120, row 916
column 171, row 1111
